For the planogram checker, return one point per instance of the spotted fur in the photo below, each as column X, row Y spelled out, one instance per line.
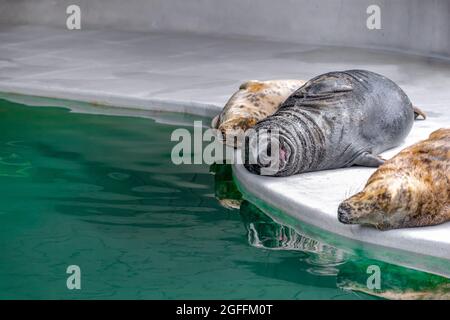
column 254, row 101
column 410, row 190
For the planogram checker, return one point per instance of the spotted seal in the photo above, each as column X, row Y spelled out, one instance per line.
column 336, row 120
column 410, row 190
column 254, row 101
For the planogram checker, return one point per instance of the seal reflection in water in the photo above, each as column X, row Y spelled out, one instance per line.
column 410, row 190
column 335, row 120
column 225, row 190
column 254, row 101
column 264, row 232
column 397, row 283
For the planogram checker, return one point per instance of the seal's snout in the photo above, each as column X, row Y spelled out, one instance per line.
column 265, row 156
column 232, row 133
column 344, row 213
column 363, row 208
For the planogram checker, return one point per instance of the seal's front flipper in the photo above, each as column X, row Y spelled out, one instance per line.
column 367, row 159
column 321, row 87
column 326, row 85
column 419, row 113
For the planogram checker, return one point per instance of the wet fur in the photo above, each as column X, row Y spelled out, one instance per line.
column 410, row 190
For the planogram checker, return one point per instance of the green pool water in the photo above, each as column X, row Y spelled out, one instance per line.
column 101, row 192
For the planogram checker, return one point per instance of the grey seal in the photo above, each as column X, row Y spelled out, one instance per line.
column 335, row 120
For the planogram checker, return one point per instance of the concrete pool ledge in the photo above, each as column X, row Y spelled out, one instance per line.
column 113, row 100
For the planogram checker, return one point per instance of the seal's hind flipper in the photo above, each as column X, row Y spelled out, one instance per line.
column 250, row 83
column 367, row 159
column 418, row 113
column 215, row 122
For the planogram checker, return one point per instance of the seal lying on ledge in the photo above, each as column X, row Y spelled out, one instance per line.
column 410, row 190
column 254, row 101
column 335, row 120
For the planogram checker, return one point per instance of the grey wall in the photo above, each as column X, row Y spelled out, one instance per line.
column 411, row 25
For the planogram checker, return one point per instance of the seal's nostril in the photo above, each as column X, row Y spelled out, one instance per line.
column 344, row 213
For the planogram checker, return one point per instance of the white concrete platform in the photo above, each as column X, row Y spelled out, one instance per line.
column 196, row 74
column 153, row 71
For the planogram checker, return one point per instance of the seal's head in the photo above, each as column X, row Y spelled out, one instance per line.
column 372, row 206
column 295, row 150
column 234, row 129
column 390, row 200
column 254, row 101
column 272, row 149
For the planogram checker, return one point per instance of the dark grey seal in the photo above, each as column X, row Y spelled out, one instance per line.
column 337, row 120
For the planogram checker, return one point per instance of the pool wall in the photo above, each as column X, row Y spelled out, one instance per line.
column 417, row 26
